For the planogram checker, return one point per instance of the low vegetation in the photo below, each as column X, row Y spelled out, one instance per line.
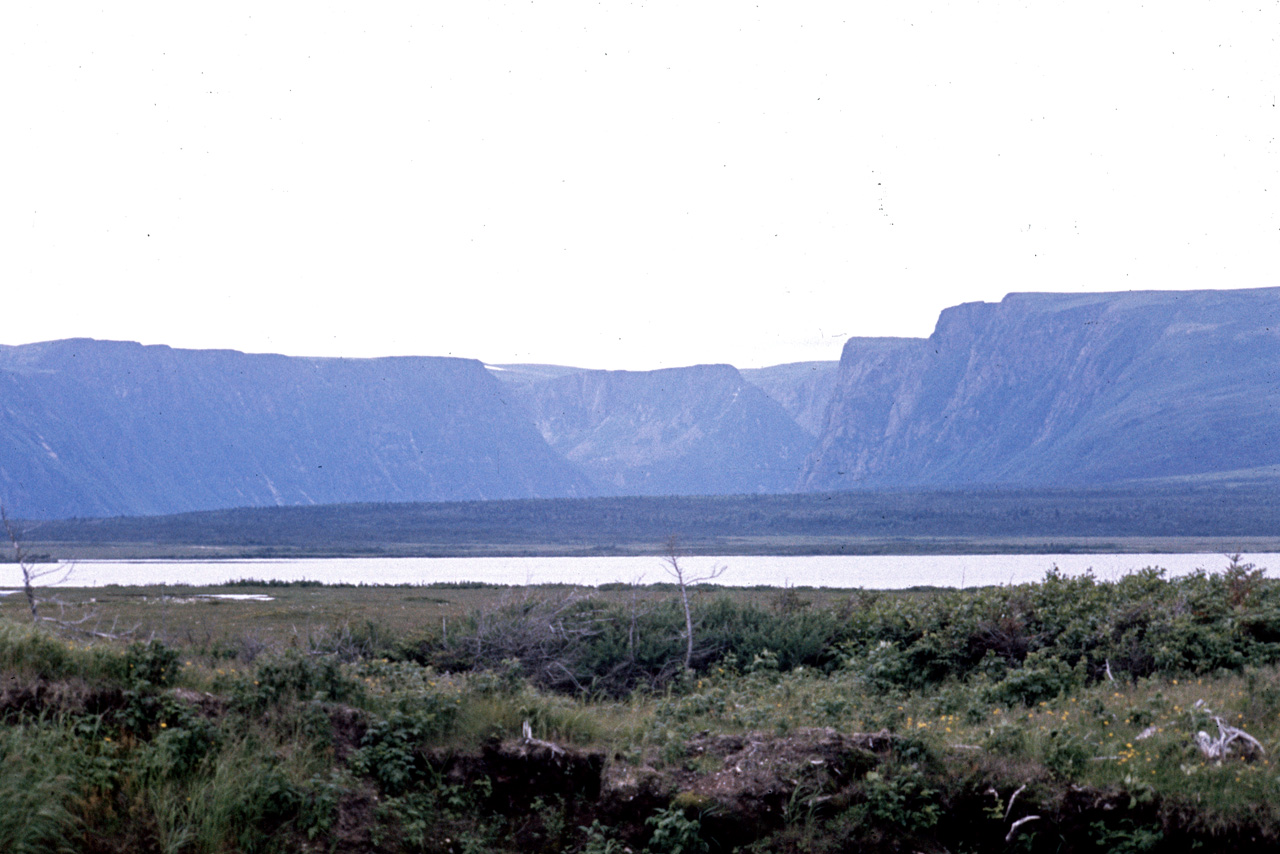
column 1068, row 715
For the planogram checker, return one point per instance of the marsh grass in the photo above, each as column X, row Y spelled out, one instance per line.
column 39, row 789
column 256, row 787
column 1068, row 683
column 27, row 652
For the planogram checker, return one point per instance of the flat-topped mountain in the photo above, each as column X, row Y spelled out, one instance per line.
column 1039, row 390
column 105, row 428
column 1058, row 389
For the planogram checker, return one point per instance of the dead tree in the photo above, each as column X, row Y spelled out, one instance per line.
column 33, row 578
column 685, row 579
column 30, row 575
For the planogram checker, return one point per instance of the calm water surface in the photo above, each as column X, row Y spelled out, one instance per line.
column 882, row 572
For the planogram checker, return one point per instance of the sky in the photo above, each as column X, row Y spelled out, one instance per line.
column 619, row 185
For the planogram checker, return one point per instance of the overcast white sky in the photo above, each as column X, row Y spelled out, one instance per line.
column 619, row 185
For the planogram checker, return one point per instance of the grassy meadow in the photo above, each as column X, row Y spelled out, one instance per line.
column 1069, row 715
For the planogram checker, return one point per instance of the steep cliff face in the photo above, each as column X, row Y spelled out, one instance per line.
column 1051, row 389
column 698, row 430
column 1037, row 390
column 803, row 389
column 101, row 428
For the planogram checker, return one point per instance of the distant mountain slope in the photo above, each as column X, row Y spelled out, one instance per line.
column 803, row 389
column 1057, row 389
column 680, row 431
column 1039, row 390
column 101, row 428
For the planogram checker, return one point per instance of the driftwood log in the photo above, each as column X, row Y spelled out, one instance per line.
column 1220, row 748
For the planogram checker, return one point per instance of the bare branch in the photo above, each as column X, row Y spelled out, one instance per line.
column 1009, row 810
column 20, row 558
column 31, row 576
column 685, row 581
column 1219, row 748
column 1013, row 829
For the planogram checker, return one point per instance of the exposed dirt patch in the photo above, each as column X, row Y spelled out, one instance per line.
column 762, row 778
column 521, row 771
column 35, row 696
column 757, row 770
column 349, row 726
column 755, row 779
column 208, row 705
column 353, row 829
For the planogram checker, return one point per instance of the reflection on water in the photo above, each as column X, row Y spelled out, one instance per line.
column 882, row 572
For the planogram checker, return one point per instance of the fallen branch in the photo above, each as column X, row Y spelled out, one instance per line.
column 1219, row 748
column 527, row 731
column 1013, row 829
column 1009, row 809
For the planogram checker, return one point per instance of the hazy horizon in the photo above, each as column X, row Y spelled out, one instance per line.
column 499, row 365
column 620, row 186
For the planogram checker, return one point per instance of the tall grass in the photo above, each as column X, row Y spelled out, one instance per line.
column 39, row 788
column 30, row 652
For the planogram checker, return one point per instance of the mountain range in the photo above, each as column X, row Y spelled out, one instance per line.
column 1057, row 389
column 1036, row 390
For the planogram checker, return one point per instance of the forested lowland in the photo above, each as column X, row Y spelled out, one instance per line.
column 1070, row 715
column 1188, row 516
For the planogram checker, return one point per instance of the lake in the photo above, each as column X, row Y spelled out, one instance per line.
column 873, row 572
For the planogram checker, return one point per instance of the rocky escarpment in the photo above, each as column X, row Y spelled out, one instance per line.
column 803, row 389
column 1037, row 390
column 1056, row 389
column 681, row 431
column 96, row 428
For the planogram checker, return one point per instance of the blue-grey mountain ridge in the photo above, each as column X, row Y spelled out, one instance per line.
column 1037, row 390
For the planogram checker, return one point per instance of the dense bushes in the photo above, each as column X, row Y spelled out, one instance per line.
column 1036, row 639
column 589, row 646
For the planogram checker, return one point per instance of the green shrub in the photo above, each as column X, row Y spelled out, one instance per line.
column 179, row 749
column 294, row 676
column 270, row 802
column 392, row 750
column 1065, row 754
column 591, row 647
column 1126, row 837
column 1041, row 677
column 885, row 667
column 1005, row 739
column 902, row 799
column 598, row 840
column 506, row 680
column 675, row 833
column 145, row 711
column 152, row 664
